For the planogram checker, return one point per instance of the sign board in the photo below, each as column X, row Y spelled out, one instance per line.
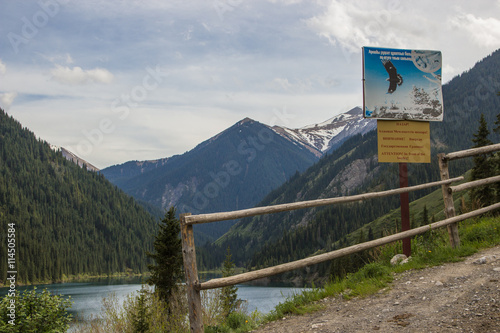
column 401, row 84
column 403, row 141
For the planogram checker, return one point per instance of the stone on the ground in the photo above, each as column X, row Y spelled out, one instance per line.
column 397, row 259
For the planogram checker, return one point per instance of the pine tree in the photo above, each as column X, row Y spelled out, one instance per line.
column 229, row 294
column 483, row 168
column 497, row 156
column 370, row 234
column 167, row 272
column 141, row 315
column 425, row 216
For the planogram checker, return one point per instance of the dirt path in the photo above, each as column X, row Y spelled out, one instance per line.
column 456, row 297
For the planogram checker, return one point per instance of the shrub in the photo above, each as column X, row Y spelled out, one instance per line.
column 143, row 311
column 35, row 312
column 236, row 320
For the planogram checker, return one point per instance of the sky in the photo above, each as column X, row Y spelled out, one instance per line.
column 115, row 81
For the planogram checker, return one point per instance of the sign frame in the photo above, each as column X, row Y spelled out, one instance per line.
column 402, row 84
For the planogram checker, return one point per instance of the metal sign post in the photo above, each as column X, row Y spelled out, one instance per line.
column 405, row 207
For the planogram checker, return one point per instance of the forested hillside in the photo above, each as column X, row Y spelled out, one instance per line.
column 68, row 220
column 353, row 168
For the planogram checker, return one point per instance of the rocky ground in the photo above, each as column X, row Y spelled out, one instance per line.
column 455, row 297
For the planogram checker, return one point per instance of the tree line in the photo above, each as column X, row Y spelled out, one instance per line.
column 68, row 220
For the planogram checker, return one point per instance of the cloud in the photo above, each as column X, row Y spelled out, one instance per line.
column 484, row 31
column 282, row 83
column 296, row 85
column 57, row 58
column 286, row 2
column 78, row 76
column 6, row 99
column 69, row 60
column 3, row 69
column 352, row 25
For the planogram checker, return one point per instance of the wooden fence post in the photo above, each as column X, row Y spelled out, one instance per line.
column 449, row 205
column 192, row 282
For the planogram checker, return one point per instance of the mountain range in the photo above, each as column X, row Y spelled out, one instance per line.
column 234, row 169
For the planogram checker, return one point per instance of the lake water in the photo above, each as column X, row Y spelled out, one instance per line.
column 87, row 296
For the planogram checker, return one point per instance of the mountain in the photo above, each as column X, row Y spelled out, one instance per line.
column 74, row 158
column 68, row 221
column 353, row 168
column 330, row 134
column 123, row 173
column 233, row 170
column 236, row 168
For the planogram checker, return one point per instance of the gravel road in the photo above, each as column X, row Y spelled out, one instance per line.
column 455, row 297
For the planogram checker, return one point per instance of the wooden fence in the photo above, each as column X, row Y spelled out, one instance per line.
column 188, row 248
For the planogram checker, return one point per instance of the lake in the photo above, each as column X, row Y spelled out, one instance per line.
column 87, row 296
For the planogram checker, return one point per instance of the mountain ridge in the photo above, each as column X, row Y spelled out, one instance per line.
column 70, row 156
column 233, row 169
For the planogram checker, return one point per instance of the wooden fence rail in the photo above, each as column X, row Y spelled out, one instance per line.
column 472, row 152
column 475, row 183
column 265, row 272
column 189, row 254
column 213, row 217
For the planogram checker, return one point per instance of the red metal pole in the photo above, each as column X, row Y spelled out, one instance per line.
column 405, row 207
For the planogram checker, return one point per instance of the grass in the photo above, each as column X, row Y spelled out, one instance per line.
column 430, row 249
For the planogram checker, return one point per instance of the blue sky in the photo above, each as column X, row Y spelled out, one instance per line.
column 115, row 81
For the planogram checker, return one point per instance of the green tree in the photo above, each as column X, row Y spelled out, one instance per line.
column 142, row 314
column 497, row 155
column 370, row 234
column 167, row 272
column 483, row 167
column 34, row 312
column 425, row 216
column 229, row 294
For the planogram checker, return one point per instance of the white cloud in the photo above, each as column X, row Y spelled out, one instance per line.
column 352, row 25
column 281, row 83
column 286, row 2
column 3, row 68
column 295, row 85
column 69, row 60
column 56, row 58
column 78, row 76
column 484, row 31
column 7, row 99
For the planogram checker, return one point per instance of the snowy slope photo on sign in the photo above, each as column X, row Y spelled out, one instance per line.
column 402, row 84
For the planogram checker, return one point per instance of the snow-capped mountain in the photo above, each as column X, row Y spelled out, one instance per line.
column 235, row 168
column 323, row 137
